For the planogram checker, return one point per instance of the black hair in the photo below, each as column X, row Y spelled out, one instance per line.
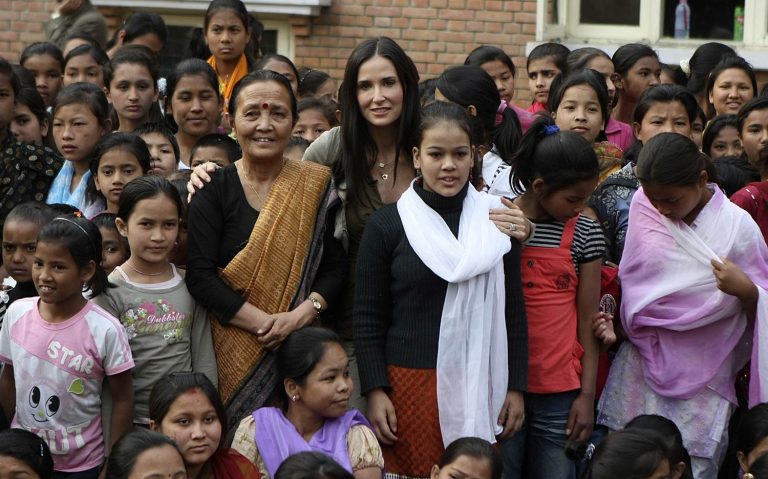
column 357, row 146
column 677, row 73
column 42, row 48
column 127, row 142
column 64, row 209
column 7, row 69
column 727, row 63
column 758, row 103
column 629, row 454
column 94, row 51
column 471, row 85
column 161, row 129
column 734, row 173
column 427, row 91
column 558, row 53
column 759, row 468
column 298, row 142
column 585, row 76
column 237, row 7
column 260, row 76
column 28, row 448
column 146, row 187
column 106, row 220
column 30, row 98
column 579, row 59
column 196, row 46
column 185, row 68
column 278, row 58
column 223, row 142
column 665, row 94
column 561, row 159
column 24, row 77
column 703, row 61
column 474, row 447
column 128, row 448
column 80, row 36
column 627, row 55
column 672, row 438
column 141, row 23
column 753, row 429
column 671, row 159
column 311, row 465
column 488, row 53
column 134, row 54
column 311, row 81
column 326, row 106
column 441, row 111
column 31, row 212
column 169, row 388
column 69, row 231
column 85, row 94
column 300, row 353
column 715, row 126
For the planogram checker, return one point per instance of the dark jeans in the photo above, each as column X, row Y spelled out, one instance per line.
column 538, row 448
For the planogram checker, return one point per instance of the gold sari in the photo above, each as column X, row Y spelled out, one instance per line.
column 274, row 272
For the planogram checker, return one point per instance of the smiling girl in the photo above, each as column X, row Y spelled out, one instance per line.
column 731, row 84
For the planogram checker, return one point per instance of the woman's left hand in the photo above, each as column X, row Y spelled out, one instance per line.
column 285, row 324
column 512, row 414
column 511, row 221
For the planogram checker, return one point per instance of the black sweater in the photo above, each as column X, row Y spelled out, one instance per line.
column 220, row 224
column 399, row 301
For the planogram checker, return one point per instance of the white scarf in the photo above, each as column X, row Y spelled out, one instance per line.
column 472, row 366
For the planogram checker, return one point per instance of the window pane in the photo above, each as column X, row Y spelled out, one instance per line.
column 610, row 12
column 552, row 17
column 711, row 19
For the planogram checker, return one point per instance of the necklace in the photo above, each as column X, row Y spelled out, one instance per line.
column 142, row 272
column 259, row 196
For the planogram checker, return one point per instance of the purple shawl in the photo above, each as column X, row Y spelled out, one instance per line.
column 689, row 333
column 277, row 438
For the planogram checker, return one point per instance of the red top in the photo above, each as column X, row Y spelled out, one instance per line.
column 550, row 283
column 754, row 199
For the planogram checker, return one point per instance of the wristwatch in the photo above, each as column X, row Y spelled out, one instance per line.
column 316, row 304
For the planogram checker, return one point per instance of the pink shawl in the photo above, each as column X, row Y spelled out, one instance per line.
column 689, row 333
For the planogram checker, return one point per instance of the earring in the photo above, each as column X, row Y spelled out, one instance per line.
column 294, row 397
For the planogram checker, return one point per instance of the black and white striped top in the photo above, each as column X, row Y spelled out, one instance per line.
column 588, row 242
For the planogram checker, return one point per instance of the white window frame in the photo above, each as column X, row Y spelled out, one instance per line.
column 286, row 44
column 568, row 29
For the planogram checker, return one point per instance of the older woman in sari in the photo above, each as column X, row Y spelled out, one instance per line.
column 261, row 257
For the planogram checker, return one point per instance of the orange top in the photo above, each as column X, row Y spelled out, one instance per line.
column 550, row 283
column 226, row 86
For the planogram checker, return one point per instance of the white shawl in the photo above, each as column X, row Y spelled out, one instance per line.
column 472, row 368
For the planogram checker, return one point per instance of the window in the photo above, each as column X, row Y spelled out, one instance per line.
column 738, row 21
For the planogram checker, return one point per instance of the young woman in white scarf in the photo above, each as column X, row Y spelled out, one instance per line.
column 439, row 320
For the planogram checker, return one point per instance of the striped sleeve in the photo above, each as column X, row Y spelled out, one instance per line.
column 588, row 241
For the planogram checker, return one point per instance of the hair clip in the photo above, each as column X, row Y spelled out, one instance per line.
column 500, row 113
column 78, row 214
column 550, row 130
column 685, row 66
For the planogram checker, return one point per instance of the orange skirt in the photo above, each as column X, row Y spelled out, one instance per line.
column 420, row 443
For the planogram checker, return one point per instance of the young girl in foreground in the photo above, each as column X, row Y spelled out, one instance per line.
column 469, row 457
column 186, row 407
column 686, row 336
column 556, row 171
column 441, row 346
column 80, row 120
column 59, row 348
column 167, row 330
column 316, row 388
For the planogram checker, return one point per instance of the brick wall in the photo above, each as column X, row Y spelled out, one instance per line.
column 21, row 23
column 435, row 33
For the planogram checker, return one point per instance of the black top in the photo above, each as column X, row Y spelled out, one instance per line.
column 26, row 173
column 23, row 289
column 220, row 224
column 399, row 301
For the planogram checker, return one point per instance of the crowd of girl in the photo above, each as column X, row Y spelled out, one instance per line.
column 246, row 269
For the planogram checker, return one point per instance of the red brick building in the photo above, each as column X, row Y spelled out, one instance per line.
column 436, row 33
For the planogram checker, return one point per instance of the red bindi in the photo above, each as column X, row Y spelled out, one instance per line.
column 265, row 105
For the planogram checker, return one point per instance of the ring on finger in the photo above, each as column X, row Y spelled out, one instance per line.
column 512, row 227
